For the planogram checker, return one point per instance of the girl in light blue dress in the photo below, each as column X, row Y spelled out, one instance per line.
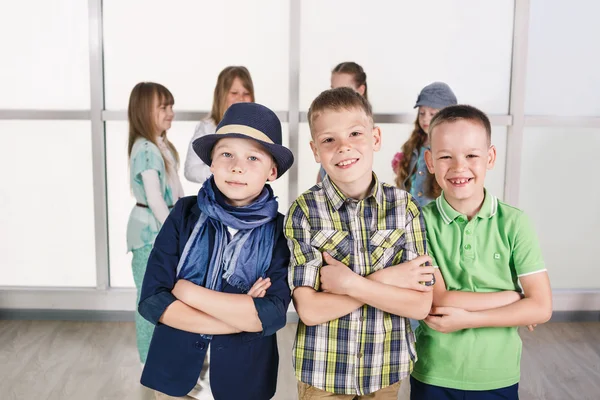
column 153, row 164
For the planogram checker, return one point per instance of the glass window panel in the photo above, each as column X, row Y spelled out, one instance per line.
column 185, row 44
column 550, row 171
column 404, row 46
column 47, row 228
column 562, row 65
column 45, row 48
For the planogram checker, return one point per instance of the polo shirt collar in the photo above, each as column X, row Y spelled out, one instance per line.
column 337, row 198
column 449, row 214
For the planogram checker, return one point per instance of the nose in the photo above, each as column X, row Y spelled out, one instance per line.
column 344, row 146
column 458, row 163
column 237, row 168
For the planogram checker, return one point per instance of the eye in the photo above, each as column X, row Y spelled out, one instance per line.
column 444, row 158
column 355, row 133
column 226, row 154
column 327, row 140
column 472, row 156
column 253, row 158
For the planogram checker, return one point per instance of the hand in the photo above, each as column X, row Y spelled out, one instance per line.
column 182, row 289
column 259, row 289
column 408, row 275
column 336, row 277
column 448, row 319
column 531, row 328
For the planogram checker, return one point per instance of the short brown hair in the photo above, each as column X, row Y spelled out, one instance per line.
column 342, row 98
column 459, row 112
column 224, row 82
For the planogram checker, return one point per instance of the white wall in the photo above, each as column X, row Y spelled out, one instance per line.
column 47, row 165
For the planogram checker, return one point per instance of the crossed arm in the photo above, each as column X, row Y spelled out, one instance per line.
column 183, row 305
column 197, row 308
column 456, row 310
column 343, row 291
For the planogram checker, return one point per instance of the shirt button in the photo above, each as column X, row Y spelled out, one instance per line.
column 362, row 250
column 359, row 355
column 420, row 172
column 468, row 232
column 199, row 345
column 468, row 247
column 420, row 194
column 361, row 319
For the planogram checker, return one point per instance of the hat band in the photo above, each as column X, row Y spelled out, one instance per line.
column 244, row 130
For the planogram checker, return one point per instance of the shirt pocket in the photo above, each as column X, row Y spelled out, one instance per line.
column 336, row 243
column 386, row 247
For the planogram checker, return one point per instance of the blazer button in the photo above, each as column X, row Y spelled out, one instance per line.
column 200, row 345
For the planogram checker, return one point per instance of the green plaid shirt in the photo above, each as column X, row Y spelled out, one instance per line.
column 368, row 349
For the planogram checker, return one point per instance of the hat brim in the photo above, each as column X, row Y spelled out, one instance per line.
column 203, row 147
column 437, row 106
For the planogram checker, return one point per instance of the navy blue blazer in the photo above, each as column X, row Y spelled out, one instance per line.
column 242, row 365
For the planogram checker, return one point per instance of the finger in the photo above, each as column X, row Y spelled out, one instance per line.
column 419, row 287
column 421, row 260
column 426, row 270
column 329, row 259
column 530, row 328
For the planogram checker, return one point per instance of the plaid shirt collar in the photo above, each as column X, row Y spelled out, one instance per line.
column 337, row 198
column 449, row 214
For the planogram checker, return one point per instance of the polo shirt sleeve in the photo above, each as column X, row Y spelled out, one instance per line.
column 305, row 260
column 526, row 255
column 416, row 238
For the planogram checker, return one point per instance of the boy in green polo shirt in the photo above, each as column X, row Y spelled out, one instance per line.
column 468, row 346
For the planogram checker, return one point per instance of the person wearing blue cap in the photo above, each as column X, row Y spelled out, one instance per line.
column 216, row 281
column 409, row 164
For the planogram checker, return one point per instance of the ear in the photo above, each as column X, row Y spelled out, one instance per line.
column 429, row 161
column 212, row 167
column 272, row 173
column 376, row 138
column 361, row 89
column 313, row 147
column 491, row 157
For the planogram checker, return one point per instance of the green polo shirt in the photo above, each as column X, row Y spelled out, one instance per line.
column 486, row 254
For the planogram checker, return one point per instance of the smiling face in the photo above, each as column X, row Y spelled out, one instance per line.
column 241, row 167
column 162, row 115
column 344, row 142
column 460, row 156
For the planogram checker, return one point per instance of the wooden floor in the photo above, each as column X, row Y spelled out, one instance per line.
column 98, row 360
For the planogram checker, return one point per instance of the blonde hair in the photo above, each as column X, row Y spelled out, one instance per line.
column 140, row 115
column 342, row 98
column 224, row 82
column 356, row 71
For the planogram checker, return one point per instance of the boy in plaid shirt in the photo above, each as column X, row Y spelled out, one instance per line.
column 357, row 246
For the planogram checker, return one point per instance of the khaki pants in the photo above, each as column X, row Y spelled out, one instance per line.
column 307, row 392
